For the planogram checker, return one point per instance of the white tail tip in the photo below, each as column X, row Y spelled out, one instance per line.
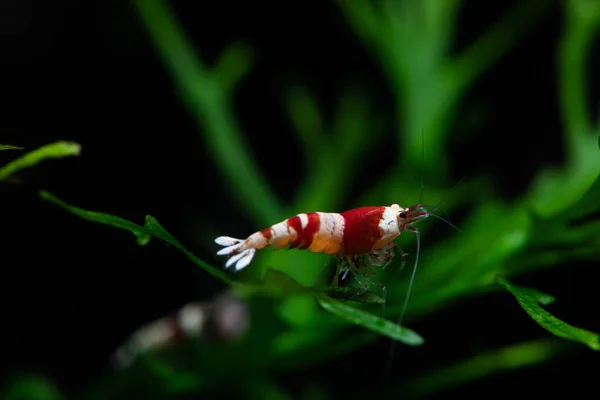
column 240, row 259
column 227, row 241
column 231, row 245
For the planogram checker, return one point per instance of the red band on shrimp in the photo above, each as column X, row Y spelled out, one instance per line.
column 267, row 233
column 306, row 235
column 361, row 229
column 296, row 224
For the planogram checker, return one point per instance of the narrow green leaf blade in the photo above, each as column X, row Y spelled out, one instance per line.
column 99, row 217
column 143, row 233
column 531, row 301
column 9, row 147
column 370, row 321
column 52, row 150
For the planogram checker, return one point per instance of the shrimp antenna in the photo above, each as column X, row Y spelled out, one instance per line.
column 390, row 358
column 445, row 220
column 437, row 206
column 422, row 165
column 412, row 279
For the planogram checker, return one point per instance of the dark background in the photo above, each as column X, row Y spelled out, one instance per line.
column 86, row 71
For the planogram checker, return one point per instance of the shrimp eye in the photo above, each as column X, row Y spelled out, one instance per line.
column 403, row 215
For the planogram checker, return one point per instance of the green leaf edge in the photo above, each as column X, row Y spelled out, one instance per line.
column 531, row 301
column 53, row 150
column 151, row 228
column 370, row 321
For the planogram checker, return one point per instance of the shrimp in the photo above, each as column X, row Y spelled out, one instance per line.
column 350, row 235
column 355, row 232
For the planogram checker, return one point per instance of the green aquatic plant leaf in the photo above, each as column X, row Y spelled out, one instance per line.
column 52, row 150
column 532, row 300
column 143, row 233
column 9, row 147
column 370, row 321
column 587, row 205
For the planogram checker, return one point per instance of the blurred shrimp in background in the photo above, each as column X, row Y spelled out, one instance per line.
column 222, row 319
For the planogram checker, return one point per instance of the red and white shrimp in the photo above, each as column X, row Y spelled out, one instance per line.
column 348, row 235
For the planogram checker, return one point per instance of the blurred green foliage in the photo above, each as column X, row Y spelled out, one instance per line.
column 32, row 387
column 412, row 41
column 482, row 365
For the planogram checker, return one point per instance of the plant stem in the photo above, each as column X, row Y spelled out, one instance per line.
column 210, row 105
